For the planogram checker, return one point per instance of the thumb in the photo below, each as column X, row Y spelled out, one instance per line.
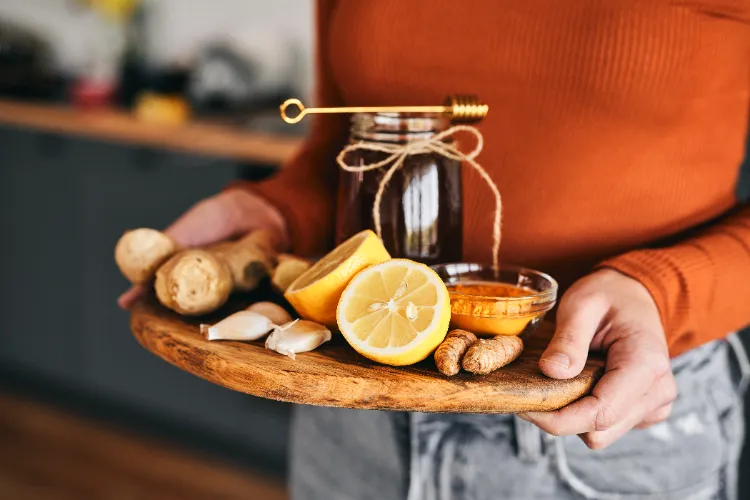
column 578, row 320
column 208, row 221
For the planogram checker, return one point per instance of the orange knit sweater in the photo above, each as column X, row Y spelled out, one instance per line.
column 616, row 135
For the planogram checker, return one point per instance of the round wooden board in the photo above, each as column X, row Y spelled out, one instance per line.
column 335, row 375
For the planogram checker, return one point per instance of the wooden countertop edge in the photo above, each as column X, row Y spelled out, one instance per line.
column 118, row 126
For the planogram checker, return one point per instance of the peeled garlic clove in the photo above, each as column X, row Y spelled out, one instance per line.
column 242, row 325
column 274, row 312
column 297, row 336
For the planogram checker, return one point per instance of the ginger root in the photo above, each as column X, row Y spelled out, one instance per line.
column 289, row 269
column 249, row 259
column 195, row 282
column 140, row 252
column 487, row 355
column 449, row 354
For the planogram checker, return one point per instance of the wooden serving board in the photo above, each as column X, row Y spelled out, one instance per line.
column 335, row 375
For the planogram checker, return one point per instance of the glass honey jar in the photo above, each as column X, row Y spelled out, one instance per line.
column 420, row 208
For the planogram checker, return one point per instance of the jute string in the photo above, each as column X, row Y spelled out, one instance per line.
column 435, row 144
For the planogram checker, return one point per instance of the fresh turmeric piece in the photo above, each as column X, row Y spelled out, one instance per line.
column 140, row 252
column 449, row 354
column 487, row 355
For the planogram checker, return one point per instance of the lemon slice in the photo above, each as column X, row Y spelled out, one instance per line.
column 395, row 313
column 316, row 292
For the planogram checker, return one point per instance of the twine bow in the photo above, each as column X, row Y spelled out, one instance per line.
column 397, row 155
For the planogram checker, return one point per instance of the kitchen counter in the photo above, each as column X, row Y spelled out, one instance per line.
column 197, row 137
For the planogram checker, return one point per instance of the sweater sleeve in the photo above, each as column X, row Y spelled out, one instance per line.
column 701, row 285
column 304, row 190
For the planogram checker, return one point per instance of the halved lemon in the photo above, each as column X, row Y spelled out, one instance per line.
column 395, row 313
column 316, row 292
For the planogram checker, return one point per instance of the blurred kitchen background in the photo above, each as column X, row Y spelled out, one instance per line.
column 117, row 114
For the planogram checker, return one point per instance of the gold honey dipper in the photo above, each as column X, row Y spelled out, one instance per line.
column 460, row 108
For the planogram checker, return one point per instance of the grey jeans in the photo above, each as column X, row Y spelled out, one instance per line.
column 359, row 455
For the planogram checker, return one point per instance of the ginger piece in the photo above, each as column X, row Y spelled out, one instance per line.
column 296, row 337
column 449, row 354
column 249, row 259
column 193, row 282
column 274, row 312
column 487, row 355
column 140, row 252
column 289, row 269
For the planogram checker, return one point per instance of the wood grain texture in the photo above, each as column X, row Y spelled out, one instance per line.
column 335, row 375
column 118, row 126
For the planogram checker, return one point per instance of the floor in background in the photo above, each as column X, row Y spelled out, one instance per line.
column 48, row 454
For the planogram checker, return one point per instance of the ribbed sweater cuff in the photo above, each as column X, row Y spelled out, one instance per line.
column 670, row 276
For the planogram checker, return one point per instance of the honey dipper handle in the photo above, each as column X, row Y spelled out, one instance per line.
column 361, row 109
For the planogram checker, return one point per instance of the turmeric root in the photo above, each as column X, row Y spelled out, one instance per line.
column 288, row 270
column 195, row 282
column 487, row 355
column 140, row 252
column 449, row 354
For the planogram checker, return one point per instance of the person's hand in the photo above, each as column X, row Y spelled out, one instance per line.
column 610, row 312
column 227, row 215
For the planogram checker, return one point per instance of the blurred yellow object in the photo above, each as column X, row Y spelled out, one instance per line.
column 112, row 10
column 161, row 109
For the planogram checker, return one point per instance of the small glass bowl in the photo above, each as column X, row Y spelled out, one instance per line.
column 498, row 315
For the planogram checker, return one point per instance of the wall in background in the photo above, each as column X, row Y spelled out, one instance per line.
column 268, row 30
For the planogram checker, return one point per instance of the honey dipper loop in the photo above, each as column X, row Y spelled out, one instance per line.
column 293, row 102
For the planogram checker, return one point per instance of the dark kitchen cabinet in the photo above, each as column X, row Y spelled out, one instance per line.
column 64, row 203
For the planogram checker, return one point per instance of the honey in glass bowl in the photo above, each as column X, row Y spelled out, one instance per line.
column 508, row 301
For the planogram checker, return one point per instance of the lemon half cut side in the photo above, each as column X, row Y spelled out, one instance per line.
column 396, row 313
column 315, row 293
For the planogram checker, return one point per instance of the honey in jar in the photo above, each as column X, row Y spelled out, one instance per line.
column 420, row 210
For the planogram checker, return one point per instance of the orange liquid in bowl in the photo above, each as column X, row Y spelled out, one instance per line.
column 492, row 308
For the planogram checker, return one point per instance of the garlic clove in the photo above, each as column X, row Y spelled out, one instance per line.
column 297, row 336
column 242, row 325
column 277, row 314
